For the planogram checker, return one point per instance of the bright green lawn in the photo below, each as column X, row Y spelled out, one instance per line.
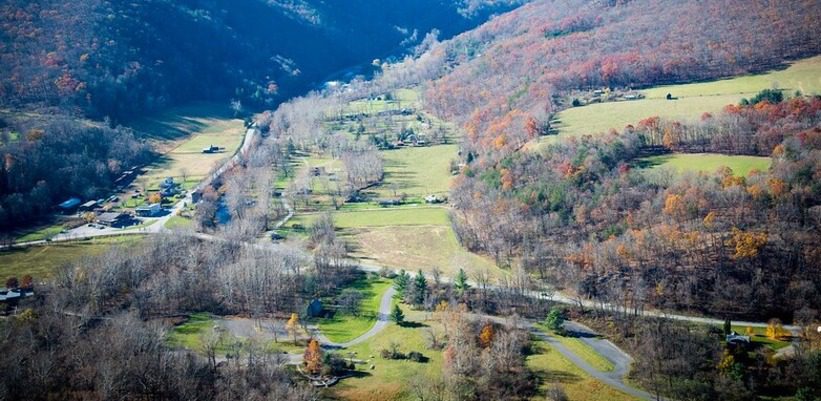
column 708, row 162
column 693, row 100
column 178, row 222
column 342, row 327
column 803, row 76
column 381, row 217
column 759, row 336
column 418, row 172
column 584, row 351
column 389, row 379
column 600, row 117
column 42, row 261
column 40, row 233
column 553, row 369
column 190, row 334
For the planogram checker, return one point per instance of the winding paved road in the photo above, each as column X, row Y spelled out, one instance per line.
column 382, row 320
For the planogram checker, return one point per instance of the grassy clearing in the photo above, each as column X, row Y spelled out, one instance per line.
column 389, row 379
column 384, row 217
column 420, row 247
column 580, row 348
column 40, row 233
column 600, row 117
column 707, row 163
column 759, row 336
column 182, row 132
column 553, row 369
column 801, row 76
column 401, row 98
column 693, row 100
column 417, row 172
column 178, row 222
column 408, row 237
column 190, row 335
column 343, row 327
column 42, row 261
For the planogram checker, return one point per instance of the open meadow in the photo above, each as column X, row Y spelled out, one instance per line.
column 343, row 327
column 42, row 261
column 406, row 238
column 706, row 163
column 692, row 100
column 181, row 133
column 417, row 172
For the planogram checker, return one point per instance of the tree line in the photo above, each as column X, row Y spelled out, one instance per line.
column 52, row 160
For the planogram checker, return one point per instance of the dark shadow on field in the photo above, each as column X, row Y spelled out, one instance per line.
column 413, row 325
column 548, row 376
column 579, row 334
column 652, row 162
column 555, row 376
column 395, row 174
column 161, row 161
column 359, row 374
column 179, row 122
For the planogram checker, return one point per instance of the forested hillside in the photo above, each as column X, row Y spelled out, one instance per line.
column 521, row 65
column 581, row 213
column 119, row 59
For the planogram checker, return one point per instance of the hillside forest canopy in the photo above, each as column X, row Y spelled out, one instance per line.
column 580, row 267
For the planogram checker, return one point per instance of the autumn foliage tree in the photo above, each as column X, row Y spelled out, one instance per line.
column 293, row 325
column 313, row 357
column 486, row 335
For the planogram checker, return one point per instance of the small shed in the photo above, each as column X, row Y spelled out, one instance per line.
column 314, row 308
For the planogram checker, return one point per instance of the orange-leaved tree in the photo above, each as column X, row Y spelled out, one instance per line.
column 486, row 335
column 313, row 357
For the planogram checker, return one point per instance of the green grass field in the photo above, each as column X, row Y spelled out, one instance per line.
column 707, row 162
column 553, row 369
column 180, row 134
column 42, row 261
column 587, row 353
column 178, row 222
column 693, row 100
column 190, row 335
column 389, row 380
column 420, row 247
column 402, row 98
column 343, row 327
column 802, row 75
column 407, row 237
column 39, row 233
column 417, row 172
column 759, row 336
column 394, row 216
